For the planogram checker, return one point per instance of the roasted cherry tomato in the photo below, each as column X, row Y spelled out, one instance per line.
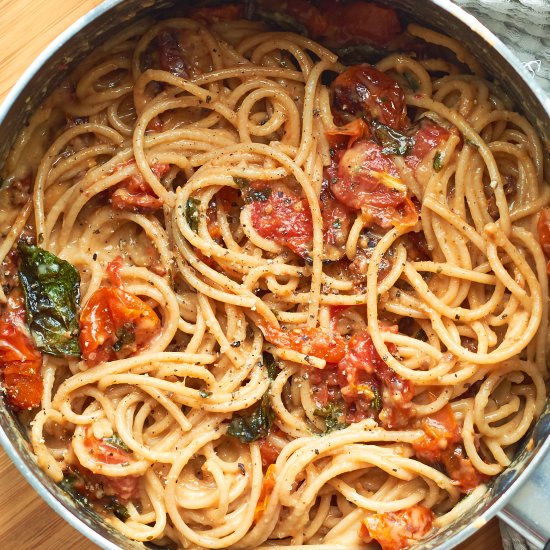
column 114, row 324
column 134, row 194
column 323, row 343
column 281, row 215
column 359, row 22
column 365, row 92
column 20, row 365
column 104, row 451
column 397, row 530
column 269, row 452
column 337, row 222
column 369, row 378
column 426, row 139
column 170, row 53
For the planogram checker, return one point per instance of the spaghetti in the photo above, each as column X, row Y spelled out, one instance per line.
column 310, row 299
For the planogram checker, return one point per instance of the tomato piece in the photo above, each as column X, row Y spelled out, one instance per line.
column 441, row 430
column 543, row 228
column 368, row 377
column 134, row 194
column 113, row 271
column 337, row 220
column 460, row 468
column 115, row 324
column 319, row 342
column 345, row 136
column 365, row 92
column 281, row 215
column 426, row 139
column 417, row 247
column 397, row 530
column 358, row 22
column 125, row 488
column 267, row 489
column 103, row 451
column 20, row 364
column 269, row 452
column 214, row 14
column 170, row 53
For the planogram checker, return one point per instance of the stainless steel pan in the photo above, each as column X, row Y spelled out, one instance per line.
column 521, row 495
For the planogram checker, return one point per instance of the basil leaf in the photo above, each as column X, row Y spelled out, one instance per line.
column 67, row 484
column 126, row 336
column 269, row 363
column 192, row 214
column 116, row 441
column 392, row 141
column 119, row 510
column 52, row 297
column 241, row 182
column 331, row 414
column 282, row 21
column 412, row 81
column 360, row 53
column 257, row 195
column 438, row 161
column 255, row 425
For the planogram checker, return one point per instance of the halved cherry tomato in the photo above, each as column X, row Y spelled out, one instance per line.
column 319, row 342
column 441, row 431
column 134, row 194
column 269, row 452
column 337, row 219
column 359, row 22
column 460, row 468
column 214, row 14
column 281, row 215
column 103, row 451
column 365, row 92
column 114, row 324
column 368, row 377
column 267, row 489
column 20, row 365
column 426, row 139
column 170, row 53
column 397, row 530
column 362, row 177
column 345, row 136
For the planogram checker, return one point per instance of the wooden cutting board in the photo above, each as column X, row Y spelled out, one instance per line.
column 26, row 522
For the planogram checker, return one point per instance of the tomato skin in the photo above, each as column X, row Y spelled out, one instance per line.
column 170, row 53
column 108, row 312
column 442, row 443
column 134, row 194
column 426, row 139
column 267, row 489
column 269, row 452
column 322, row 343
column 103, row 451
column 284, row 217
column 336, row 216
column 20, row 364
column 359, row 22
column 397, row 530
column 365, row 92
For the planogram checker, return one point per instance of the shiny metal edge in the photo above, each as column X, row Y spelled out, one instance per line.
column 56, row 45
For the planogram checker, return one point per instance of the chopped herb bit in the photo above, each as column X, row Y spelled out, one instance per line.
column 331, row 413
column 271, row 366
column 119, row 510
column 337, row 223
column 254, row 425
column 67, row 484
column 438, row 161
column 192, row 214
column 353, row 55
column 412, row 81
column 241, row 182
column 126, row 335
column 257, row 195
column 52, row 298
column 392, row 141
column 472, row 143
column 204, row 394
column 116, row 441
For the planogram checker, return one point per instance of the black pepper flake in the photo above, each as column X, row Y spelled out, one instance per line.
column 316, row 451
column 241, row 468
column 236, row 344
column 94, row 257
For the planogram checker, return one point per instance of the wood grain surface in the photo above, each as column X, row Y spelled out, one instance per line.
column 26, row 522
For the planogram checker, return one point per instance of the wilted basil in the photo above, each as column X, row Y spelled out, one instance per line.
column 52, row 297
column 254, row 425
column 392, row 141
column 331, row 413
column 192, row 214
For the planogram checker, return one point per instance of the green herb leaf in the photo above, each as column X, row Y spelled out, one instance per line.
column 119, row 510
column 116, row 441
column 241, row 182
column 256, row 424
column 204, row 394
column 360, row 53
column 392, row 141
column 471, row 143
column 282, row 21
column 67, row 484
column 269, row 363
column 412, row 81
column 331, row 414
column 192, row 214
column 125, row 337
column 257, row 195
column 438, row 161
column 52, row 297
